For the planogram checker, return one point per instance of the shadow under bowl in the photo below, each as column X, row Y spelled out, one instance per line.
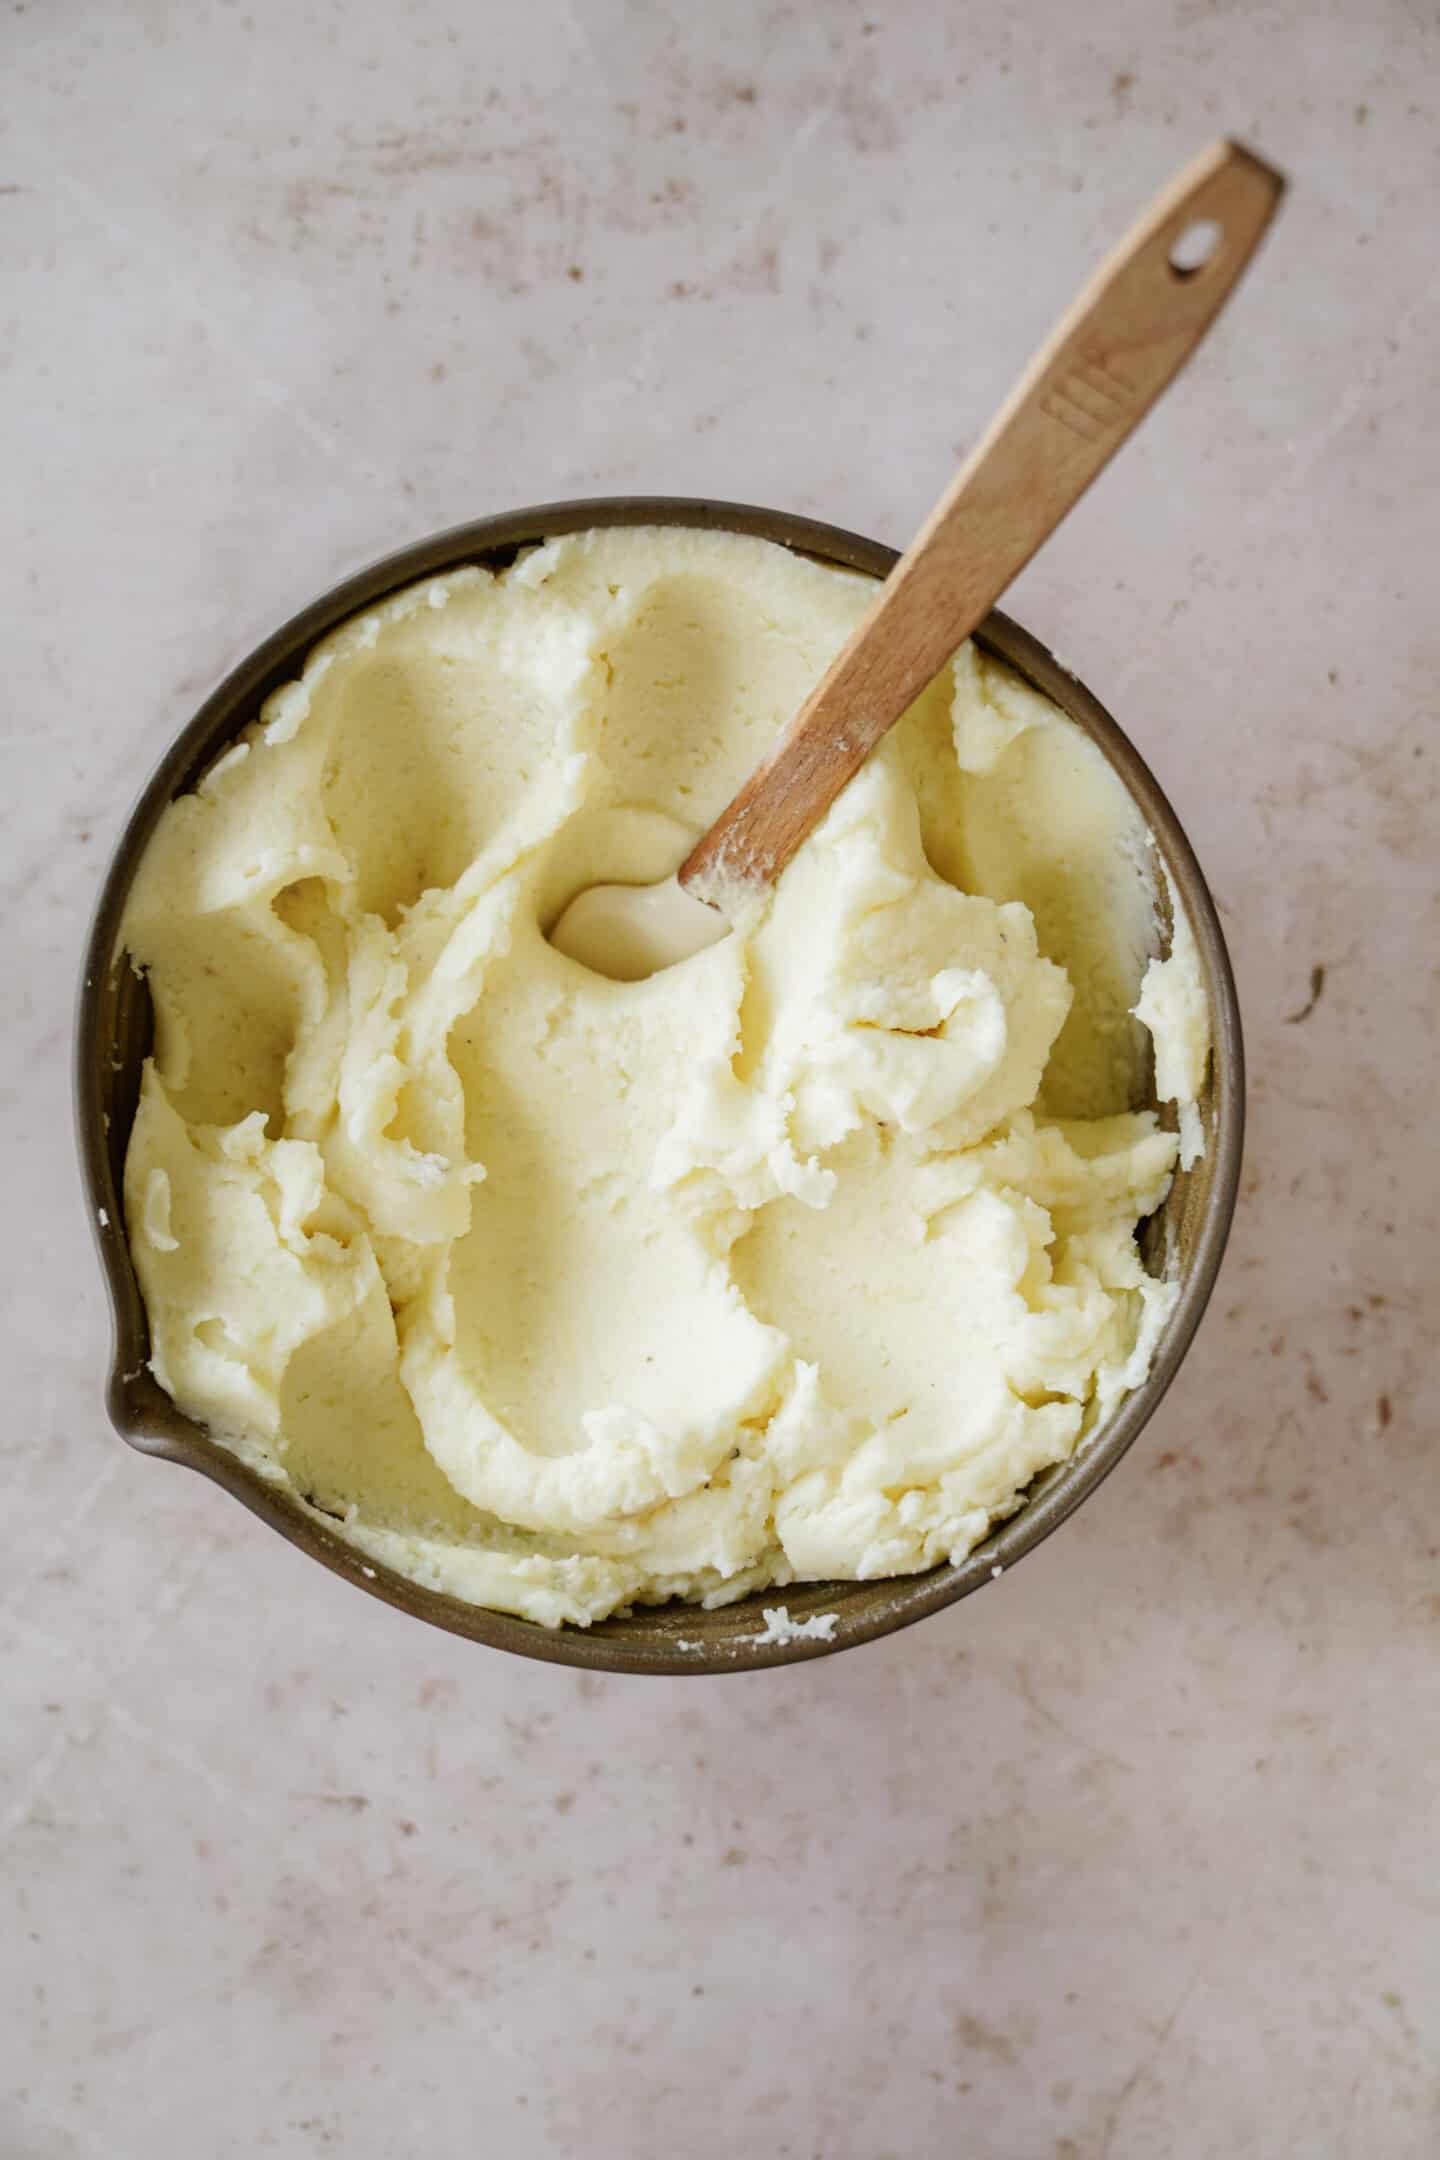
column 113, row 1038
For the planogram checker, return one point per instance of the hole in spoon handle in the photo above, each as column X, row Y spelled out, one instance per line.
column 1195, row 247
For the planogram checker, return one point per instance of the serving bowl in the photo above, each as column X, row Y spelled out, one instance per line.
column 114, row 1034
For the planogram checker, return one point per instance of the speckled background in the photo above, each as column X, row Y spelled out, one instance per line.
column 1135, row 1853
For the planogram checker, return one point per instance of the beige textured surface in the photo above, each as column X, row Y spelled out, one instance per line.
column 1134, row 1854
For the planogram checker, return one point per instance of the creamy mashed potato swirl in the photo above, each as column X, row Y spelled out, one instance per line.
column 798, row 1260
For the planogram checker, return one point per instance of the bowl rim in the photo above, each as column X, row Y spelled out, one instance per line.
column 653, row 1639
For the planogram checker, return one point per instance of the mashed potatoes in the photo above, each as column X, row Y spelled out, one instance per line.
column 796, row 1261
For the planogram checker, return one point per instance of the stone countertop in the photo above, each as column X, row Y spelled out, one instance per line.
column 1133, row 1854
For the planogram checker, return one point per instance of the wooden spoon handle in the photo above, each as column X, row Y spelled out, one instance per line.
column 1130, row 331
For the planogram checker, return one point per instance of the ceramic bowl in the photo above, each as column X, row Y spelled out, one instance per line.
column 113, row 1039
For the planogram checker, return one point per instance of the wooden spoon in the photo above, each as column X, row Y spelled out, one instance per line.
column 1125, row 338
